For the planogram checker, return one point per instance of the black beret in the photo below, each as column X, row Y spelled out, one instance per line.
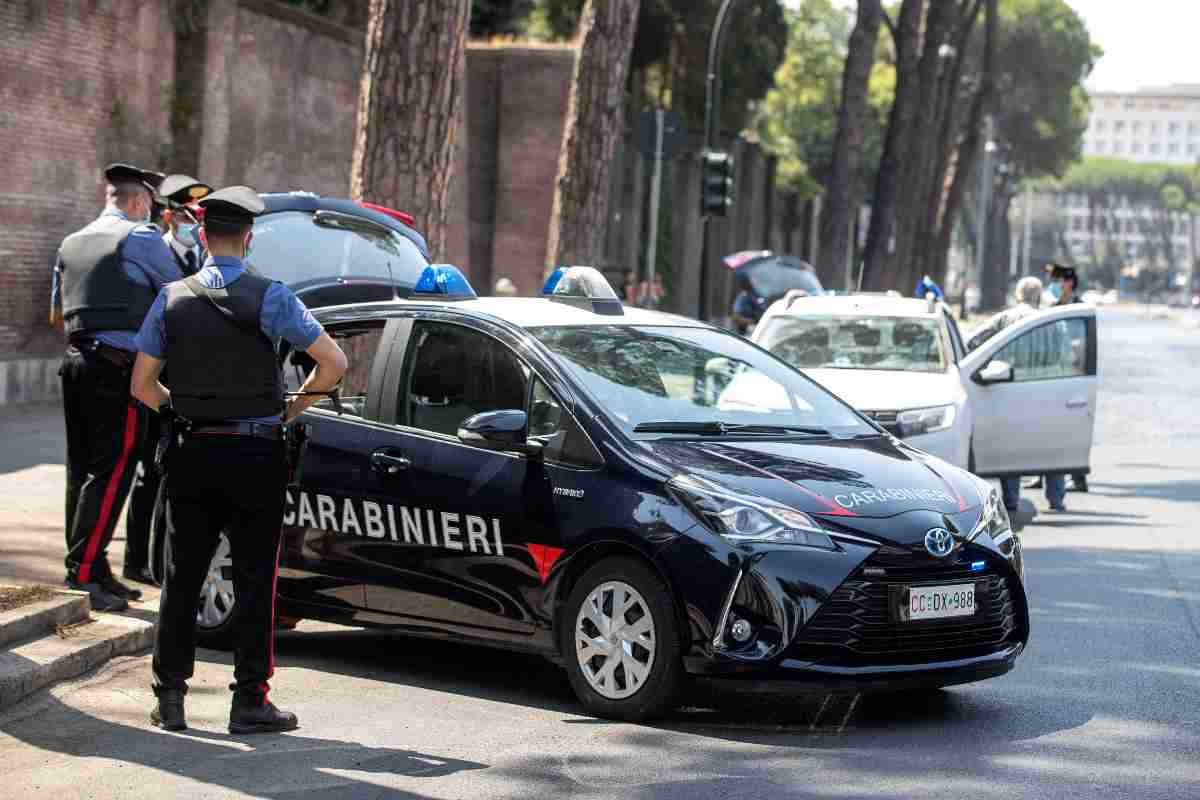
column 183, row 189
column 127, row 173
column 236, row 205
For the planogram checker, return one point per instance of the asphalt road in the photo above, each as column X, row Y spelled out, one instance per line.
column 1105, row 703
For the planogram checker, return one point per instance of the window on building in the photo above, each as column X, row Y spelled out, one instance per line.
column 1193, row 128
column 1119, row 126
column 1118, row 147
column 1172, row 128
column 1154, row 127
column 1173, row 148
column 1101, row 146
column 1135, row 127
column 1101, row 124
column 1136, row 147
column 1128, row 103
column 1077, row 223
column 1154, row 148
column 1193, row 149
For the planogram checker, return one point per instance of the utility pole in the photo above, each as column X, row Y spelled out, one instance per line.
column 712, row 115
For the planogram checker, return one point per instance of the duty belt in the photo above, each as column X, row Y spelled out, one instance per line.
column 113, row 355
column 258, row 430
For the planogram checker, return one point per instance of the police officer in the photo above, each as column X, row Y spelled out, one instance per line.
column 217, row 331
column 105, row 280
column 182, row 230
column 182, row 236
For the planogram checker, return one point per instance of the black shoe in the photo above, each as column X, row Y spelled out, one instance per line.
column 168, row 714
column 1079, row 484
column 114, row 586
column 260, row 719
column 101, row 598
column 139, row 575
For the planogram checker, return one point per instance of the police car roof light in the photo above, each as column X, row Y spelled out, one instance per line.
column 584, row 287
column 444, row 281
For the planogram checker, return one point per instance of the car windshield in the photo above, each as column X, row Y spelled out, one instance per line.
column 656, row 377
column 911, row 344
column 303, row 249
column 774, row 277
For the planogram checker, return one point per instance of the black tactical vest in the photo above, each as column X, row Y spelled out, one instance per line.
column 97, row 294
column 222, row 365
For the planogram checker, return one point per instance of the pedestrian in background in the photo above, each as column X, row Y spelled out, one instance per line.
column 217, row 330
column 105, row 280
column 1028, row 298
column 1064, row 285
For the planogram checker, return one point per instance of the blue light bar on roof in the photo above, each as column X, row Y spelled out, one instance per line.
column 444, row 281
column 584, row 287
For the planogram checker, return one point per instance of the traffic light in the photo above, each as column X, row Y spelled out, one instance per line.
column 716, row 192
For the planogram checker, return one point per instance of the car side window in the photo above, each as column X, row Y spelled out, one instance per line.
column 453, row 373
column 563, row 440
column 1057, row 349
column 360, row 342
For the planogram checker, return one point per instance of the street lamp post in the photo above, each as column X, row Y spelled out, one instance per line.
column 712, row 109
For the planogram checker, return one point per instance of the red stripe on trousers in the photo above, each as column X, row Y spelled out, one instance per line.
column 110, row 494
column 271, row 629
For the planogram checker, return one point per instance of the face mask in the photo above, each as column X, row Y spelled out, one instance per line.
column 185, row 234
column 1056, row 290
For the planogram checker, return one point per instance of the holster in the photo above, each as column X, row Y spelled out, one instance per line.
column 295, row 436
column 172, row 431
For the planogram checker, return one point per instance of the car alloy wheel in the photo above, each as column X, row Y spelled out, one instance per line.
column 619, row 636
column 216, row 594
column 615, row 640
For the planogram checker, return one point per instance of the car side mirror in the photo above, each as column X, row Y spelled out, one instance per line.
column 503, row 431
column 995, row 372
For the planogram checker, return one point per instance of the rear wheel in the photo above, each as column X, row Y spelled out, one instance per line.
column 214, row 612
column 621, row 642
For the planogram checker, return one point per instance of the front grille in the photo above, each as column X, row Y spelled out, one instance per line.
column 856, row 627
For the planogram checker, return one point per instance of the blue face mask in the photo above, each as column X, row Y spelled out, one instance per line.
column 1056, row 290
column 185, row 234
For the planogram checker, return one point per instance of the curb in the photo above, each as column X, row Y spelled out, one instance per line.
column 35, row 619
column 69, row 652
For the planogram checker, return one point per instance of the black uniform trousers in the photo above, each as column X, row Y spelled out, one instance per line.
column 142, row 497
column 214, row 483
column 105, row 428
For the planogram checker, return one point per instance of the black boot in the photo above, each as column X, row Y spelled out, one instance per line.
column 168, row 714
column 100, row 598
column 114, row 586
column 265, row 718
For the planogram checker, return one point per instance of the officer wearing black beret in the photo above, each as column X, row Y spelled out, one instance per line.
column 105, row 280
column 218, row 331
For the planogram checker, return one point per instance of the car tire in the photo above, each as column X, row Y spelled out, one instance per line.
column 214, row 612
column 637, row 674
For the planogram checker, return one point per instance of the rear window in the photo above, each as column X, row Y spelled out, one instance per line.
column 304, row 250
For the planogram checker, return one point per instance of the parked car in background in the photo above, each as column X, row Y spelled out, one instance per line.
column 763, row 277
column 1022, row 403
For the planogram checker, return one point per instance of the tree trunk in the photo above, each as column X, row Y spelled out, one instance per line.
column 841, row 189
column 919, row 163
column 410, row 107
column 595, row 121
column 895, row 145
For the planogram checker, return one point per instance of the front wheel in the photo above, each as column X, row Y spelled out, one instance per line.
column 621, row 642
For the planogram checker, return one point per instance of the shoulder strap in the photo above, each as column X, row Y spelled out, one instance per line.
column 200, row 290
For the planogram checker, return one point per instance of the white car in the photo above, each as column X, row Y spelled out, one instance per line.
column 1023, row 402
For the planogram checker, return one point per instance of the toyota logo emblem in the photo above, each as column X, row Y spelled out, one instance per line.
column 939, row 542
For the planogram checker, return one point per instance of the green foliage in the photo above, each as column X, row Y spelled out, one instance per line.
column 670, row 51
column 797, row 121
column 1043, row 54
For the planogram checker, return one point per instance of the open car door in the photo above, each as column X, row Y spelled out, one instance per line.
column 1033, row 390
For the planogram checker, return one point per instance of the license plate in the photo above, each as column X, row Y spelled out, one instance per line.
column 939, row 602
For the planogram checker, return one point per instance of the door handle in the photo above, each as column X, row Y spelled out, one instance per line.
column 389, row 462
column 1077, row 403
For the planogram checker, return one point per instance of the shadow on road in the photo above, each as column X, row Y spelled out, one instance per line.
column 283, row 766
column 1183, row 491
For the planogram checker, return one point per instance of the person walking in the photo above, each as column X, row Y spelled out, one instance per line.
column 217, row 331
column 182, row 238
column 105, row 280
column 1064, row 285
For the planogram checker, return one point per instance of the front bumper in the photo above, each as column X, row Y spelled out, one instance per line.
column 827, row 620
column 795, row 676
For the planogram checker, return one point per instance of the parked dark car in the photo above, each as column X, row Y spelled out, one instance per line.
column 640, row 497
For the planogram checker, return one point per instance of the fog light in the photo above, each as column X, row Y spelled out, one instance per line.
column 741, row 630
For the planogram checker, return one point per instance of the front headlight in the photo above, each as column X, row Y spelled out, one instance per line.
column 916, row 421
column 745, row 519
column 994, row 521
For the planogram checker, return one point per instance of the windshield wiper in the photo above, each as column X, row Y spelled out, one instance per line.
column 723, row 428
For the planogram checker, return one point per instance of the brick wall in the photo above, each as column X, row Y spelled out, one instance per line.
column 82, row 83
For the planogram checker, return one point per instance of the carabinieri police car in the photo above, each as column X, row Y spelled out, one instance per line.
column 642, row 497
